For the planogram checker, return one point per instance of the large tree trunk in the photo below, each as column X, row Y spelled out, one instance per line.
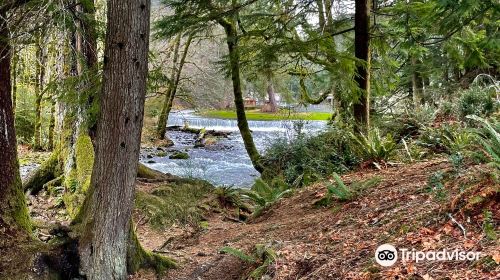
column 103, row 245
column 361, row 108
column 234, row 60
column 14, row 219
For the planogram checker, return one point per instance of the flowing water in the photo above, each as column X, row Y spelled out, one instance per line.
column 226, row 162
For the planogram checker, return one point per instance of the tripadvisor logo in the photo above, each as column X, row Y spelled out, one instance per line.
column 387, row 255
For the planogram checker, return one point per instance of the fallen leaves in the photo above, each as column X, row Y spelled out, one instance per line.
column 496, row 257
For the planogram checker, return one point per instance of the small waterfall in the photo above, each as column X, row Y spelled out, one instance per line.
column 194, row 121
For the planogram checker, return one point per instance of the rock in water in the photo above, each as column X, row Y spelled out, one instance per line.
column 179, row 155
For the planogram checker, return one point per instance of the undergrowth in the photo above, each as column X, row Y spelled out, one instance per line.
column 173, row 203
column 339, row 191
column 261, row 257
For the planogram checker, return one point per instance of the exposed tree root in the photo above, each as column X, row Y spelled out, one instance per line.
column 49, row 174
column 138, row 258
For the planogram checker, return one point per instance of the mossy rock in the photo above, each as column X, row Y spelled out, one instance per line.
column 179, row 155
column 161, row 154
column 210, row 140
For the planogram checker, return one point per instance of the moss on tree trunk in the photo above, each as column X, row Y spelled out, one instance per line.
column 138, row 258
column 52, row 125
column 173, row 85
column 234, row 60
column 108, row 209
column 161, row 128
column 14, row 218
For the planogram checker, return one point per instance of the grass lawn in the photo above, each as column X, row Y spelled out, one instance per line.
column 257, row 115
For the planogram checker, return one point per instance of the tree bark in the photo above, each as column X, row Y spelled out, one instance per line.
column 234, row 60
column 273, row 105
column 14, row 219
column 15, row 61
column 52, row 125
column 173, row 91
column 103, row 245
column 161, row 128
column 361, row 107
column 88, row 49
column 41, row 57
column 321, row 15
column 417, row 83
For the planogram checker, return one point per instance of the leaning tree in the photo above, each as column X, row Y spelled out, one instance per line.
column 204, row 15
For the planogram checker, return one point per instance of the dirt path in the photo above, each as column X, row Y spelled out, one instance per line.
column 336, row 242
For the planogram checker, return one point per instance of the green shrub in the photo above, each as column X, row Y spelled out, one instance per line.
column 477, row 101
column 263, row 195
column 372, row 146
column 489, row 139
column 424, row 116
column 305, row 159
column 228, row 196
column 447, row 139
column 238, row 253
column 404, row 126
column 446, row 110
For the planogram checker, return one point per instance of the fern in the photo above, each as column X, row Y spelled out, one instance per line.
column 262, row 256
column 341, row 192
column 360, row 186
column 238, row 253
column 264, row 195
column 372, row 146
column 489, row 138
column 489, row 226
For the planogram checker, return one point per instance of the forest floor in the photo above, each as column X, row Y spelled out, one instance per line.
column 337, row 242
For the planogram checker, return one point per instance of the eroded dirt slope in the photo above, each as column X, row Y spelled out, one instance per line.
column 337, row 242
